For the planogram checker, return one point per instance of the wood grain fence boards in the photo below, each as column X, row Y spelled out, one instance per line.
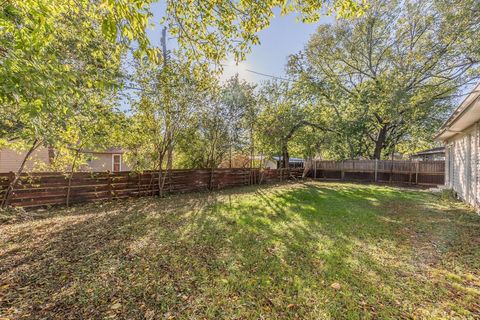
column 397, row 171
column 51, row 188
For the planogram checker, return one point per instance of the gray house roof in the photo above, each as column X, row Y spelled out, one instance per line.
column 437, row 150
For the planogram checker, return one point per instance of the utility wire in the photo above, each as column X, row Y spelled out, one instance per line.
column 268, row 75
column 262, row 74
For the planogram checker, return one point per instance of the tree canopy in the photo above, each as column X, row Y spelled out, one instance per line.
column 378, row 80
column 389, row 76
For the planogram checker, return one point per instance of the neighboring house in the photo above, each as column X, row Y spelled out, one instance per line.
column 276, row 162
column 292, row 162
column 109, row 160
column 437, row 153
column 237, row 161
column 461, row 137
column 10, row 160
column 263, row 161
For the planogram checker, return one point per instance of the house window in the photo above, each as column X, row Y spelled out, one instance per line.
column 116, row 162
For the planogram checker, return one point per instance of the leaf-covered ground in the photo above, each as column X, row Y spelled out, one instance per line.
column 299, row 251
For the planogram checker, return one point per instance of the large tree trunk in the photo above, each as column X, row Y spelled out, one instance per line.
column 380, row 142
column 11, row 187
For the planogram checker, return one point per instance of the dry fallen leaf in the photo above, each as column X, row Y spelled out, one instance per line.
column 115, row 306
column 149, row 314
column 336, row 286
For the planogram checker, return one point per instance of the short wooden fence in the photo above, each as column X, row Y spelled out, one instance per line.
column 397, row 171
column 51, row 188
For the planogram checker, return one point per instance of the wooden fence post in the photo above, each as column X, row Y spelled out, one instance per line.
column 416, row 173
column 315, row 169
column 139, row 177
column 376, row 170
column 109, row 185
column 342, row 172
column 410, row 173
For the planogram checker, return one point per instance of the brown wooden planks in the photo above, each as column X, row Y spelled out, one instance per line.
column 51, row 188
column 396, row 171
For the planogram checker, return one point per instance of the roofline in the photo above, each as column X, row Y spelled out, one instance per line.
column 460, row 110
column 440, row 149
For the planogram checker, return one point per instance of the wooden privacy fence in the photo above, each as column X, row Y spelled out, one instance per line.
column 397, row 171
column 51, row 188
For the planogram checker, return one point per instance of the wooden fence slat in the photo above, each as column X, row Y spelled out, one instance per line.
column 403, row 171
column 50, row 188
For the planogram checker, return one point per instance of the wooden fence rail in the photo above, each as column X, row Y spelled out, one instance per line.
column 397, row 171
column 51, row 188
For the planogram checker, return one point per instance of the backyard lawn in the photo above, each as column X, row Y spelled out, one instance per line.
column 296, row 250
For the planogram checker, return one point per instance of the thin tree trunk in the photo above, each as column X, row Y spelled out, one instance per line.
column 170, row 157
column 11, row 187
column 285, row 156
column 212, row 163
column 161, row 179
column 71, row 175
column 252, row 141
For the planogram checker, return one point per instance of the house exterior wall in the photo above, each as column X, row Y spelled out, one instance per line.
column 10, row 160
column 430, row 157
column 104, row 162
column 462, row 165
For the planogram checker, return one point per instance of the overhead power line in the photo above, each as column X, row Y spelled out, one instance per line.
column 268, row 75
column 262, row 74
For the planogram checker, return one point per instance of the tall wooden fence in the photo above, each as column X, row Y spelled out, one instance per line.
column 399, row 171
column 51, row 188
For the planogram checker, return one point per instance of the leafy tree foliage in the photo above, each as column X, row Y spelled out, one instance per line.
column 212, row 30
column 287, row 120
column 57, row 66
column 388, row 77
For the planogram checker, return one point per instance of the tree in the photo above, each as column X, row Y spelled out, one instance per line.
column 286, row 111
column 238, row 109
column 167, row 98
column 213, row 30
column 390, row 74
column 55, row 62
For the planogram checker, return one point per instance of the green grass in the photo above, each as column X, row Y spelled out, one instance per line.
column 298, row 251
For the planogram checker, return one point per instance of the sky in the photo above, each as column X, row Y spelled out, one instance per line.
column 283, row 37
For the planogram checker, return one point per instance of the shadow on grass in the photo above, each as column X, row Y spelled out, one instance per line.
column 257, row 252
